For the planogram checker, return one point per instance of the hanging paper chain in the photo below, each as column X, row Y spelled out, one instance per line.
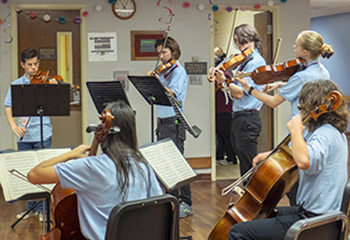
column 7, row 29
column 170, row 11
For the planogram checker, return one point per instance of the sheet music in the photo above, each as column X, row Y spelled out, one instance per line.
column 168, row 163
column 14, row 187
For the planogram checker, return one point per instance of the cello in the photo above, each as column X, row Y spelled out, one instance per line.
column 268, row 181
column 64, row 201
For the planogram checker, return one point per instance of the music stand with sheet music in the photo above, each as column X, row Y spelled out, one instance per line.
column 40, row 100
column 33, row 100
column 103, row 93
column 152, row 91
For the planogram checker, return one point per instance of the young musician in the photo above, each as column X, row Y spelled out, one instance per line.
column 174, row 80
column 319, row 150
column 223, row 119
column 101, row 182
column 308, row 46
column 246, row 124
column 27, row 130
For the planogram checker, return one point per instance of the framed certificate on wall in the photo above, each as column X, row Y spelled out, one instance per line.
column 142, row 44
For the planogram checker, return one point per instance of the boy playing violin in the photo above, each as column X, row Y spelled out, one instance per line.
column 27, row 130
column 174, row 79
column 246, row 124
column 320, row 152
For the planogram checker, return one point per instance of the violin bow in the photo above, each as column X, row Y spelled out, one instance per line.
column 231, row 33
column 278, row 47
column 166, row 39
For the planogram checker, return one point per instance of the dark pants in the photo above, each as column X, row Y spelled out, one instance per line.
column 166, row 128
column 33, row 145
column 246, row 127
column 274, row 228
column 223, row 125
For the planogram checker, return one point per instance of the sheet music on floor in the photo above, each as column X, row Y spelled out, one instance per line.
column 168, row 163
column 22, row 161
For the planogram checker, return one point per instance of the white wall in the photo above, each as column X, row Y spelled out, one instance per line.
column 191, row 28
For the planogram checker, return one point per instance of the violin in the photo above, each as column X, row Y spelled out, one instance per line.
column 268, row 181
column 64, row 201
column 42, row 77
column 163, row 68
column 230, row 63
column 271, row 73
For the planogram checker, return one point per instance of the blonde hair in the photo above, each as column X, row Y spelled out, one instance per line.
column 218, row 51
column 313, row 42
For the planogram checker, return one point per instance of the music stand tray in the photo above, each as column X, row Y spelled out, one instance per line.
column 29, row 100
column 151, row 89
column 103, row 93
column 53, row 99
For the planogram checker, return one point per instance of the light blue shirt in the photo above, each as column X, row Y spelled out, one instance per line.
column 291, row 90
column 175, row 79
column 33, row 128
column 95, row 181
column 321, row 186
column 248, row 102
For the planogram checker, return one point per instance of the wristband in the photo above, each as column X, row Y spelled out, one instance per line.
column 251, row 90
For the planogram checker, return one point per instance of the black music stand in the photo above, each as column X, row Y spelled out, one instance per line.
column 36, row 196
column 152, row 91
column 33, row 100
column 103, row 93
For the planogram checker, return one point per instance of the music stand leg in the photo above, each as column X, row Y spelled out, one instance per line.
column 40, row 112
column 25, row 214
column 177, row 132
column 152, row 122
column 48, row 220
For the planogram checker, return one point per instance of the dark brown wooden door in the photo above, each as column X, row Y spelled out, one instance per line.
column 263, row 24
column 36, row 33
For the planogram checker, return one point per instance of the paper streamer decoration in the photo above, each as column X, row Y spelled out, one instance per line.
column 170, row 11
column 62, row 20
column 7, row 29
column 47, row 18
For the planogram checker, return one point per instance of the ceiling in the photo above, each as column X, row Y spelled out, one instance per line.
column 329, row 7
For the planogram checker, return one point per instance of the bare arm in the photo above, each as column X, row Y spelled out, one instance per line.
column 299, row 146
column 45, row 172
column 18, row 130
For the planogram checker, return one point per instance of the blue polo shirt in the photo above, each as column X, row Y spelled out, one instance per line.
column 174, row 78
column 248, row 102
column 95, row 181
column 321, row 186
column 33, row 128
column 291, row 90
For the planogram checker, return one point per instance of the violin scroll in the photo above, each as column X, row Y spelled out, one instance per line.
column 335, row 100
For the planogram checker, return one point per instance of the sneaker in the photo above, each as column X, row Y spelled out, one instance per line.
column 224, row 163
column 30, row 214
column 185, row 210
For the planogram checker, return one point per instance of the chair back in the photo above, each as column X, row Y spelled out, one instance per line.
column 345, row 205
column 155, row 218
column 332, row 225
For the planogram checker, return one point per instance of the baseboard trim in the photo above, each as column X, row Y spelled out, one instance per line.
column 199, row 162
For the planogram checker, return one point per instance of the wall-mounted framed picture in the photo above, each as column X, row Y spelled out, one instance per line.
column 142, row 44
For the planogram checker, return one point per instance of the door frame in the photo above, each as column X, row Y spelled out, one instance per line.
column 276, row 33
column 83, row 52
